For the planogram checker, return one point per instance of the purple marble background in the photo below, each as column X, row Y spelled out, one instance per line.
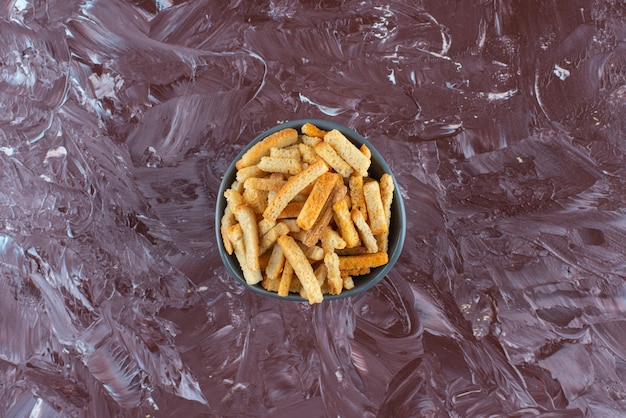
column 503, row 121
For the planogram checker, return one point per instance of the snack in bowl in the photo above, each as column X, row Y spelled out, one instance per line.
column 309, row 211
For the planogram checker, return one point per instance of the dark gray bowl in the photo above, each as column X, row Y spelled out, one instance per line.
column 378, row 167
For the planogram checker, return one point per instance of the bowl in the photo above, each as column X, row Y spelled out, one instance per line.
column 378, row 167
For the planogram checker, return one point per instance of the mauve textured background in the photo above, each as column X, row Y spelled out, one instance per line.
column 503, row 121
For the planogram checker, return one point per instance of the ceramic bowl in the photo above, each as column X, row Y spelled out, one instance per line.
column 378, row 167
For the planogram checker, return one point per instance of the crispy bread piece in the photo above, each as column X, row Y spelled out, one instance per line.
column 364, row 231
column 348, row 262
column 302, row 268
column 311, row 130
column 247, row 219
column 386, row 194
column 345, row 224
column 279, row 165
column 314, row 204
column 348, row 151
column 375, row 211
column 332, row 158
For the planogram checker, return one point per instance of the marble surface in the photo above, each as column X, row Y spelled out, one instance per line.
column 503, row 121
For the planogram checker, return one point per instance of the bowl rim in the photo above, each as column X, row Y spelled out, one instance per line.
column 230, row 261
